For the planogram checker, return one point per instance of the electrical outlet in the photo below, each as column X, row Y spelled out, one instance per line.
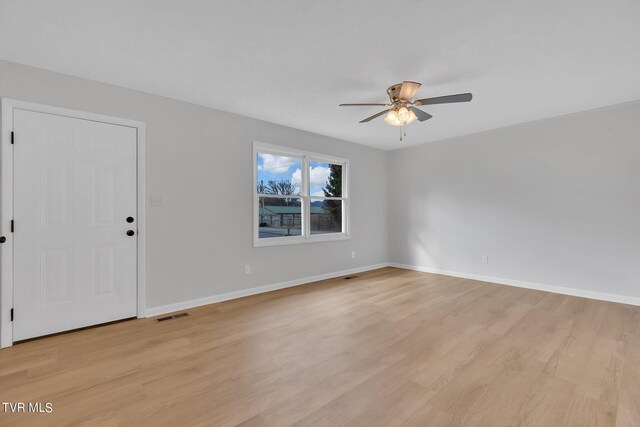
column 247, row 269
column 485, row 259
column 353, row 255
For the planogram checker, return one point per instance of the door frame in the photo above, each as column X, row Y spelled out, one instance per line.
column 7, row 108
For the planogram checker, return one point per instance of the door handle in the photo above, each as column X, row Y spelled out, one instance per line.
column 130, row 232
column 129, row 219
column 3, row 239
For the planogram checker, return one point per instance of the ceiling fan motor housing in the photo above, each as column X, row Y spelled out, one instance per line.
column 394, row 93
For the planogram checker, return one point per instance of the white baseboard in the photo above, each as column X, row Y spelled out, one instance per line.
column 623, row 299
column 156, row 311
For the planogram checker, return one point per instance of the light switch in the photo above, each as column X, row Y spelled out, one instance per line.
column 157, row 200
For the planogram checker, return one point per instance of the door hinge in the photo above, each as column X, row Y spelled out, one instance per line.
column 12, row 226
column 12, row 314
column 12, row 137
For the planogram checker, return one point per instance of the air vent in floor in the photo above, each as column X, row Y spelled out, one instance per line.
column 175, row 316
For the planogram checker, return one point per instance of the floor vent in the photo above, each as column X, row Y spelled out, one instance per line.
column 350, row 277
column 175, row 316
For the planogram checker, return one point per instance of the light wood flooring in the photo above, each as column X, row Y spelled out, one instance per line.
column 390, row 347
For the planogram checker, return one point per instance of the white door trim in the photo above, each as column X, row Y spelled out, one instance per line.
column 6, row 202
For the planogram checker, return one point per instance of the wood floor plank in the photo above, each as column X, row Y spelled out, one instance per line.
column 388, row 347
column 628, row 411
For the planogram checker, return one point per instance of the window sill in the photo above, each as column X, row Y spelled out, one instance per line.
column 279, row 241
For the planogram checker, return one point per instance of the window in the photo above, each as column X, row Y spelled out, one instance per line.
column 298, row 196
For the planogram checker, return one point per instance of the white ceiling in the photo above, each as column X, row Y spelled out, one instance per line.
column 292, row 62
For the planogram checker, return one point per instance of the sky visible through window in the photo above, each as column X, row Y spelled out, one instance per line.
column 272, row 167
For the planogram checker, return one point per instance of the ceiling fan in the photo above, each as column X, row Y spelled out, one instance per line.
column 403, row 110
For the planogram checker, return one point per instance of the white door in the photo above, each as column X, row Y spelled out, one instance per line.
column 74, row 249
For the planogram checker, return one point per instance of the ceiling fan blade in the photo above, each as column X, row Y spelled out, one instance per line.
column 363, row 105
column 409, row 89
column 421, row 115
column 462, row 97
column 368, row 119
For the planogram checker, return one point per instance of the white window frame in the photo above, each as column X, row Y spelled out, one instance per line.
column 306, row 157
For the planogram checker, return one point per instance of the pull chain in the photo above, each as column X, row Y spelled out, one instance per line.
column 403, row 132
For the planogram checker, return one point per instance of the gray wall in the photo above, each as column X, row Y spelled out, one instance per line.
column 201, row 160
column 555, row 202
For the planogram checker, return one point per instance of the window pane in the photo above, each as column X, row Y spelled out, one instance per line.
column 326, row 216
column 279, row 217
column 325, row 179
column 279, row 174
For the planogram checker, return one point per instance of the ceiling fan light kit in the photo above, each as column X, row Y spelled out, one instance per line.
column 400, row 116
column 403, row 110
